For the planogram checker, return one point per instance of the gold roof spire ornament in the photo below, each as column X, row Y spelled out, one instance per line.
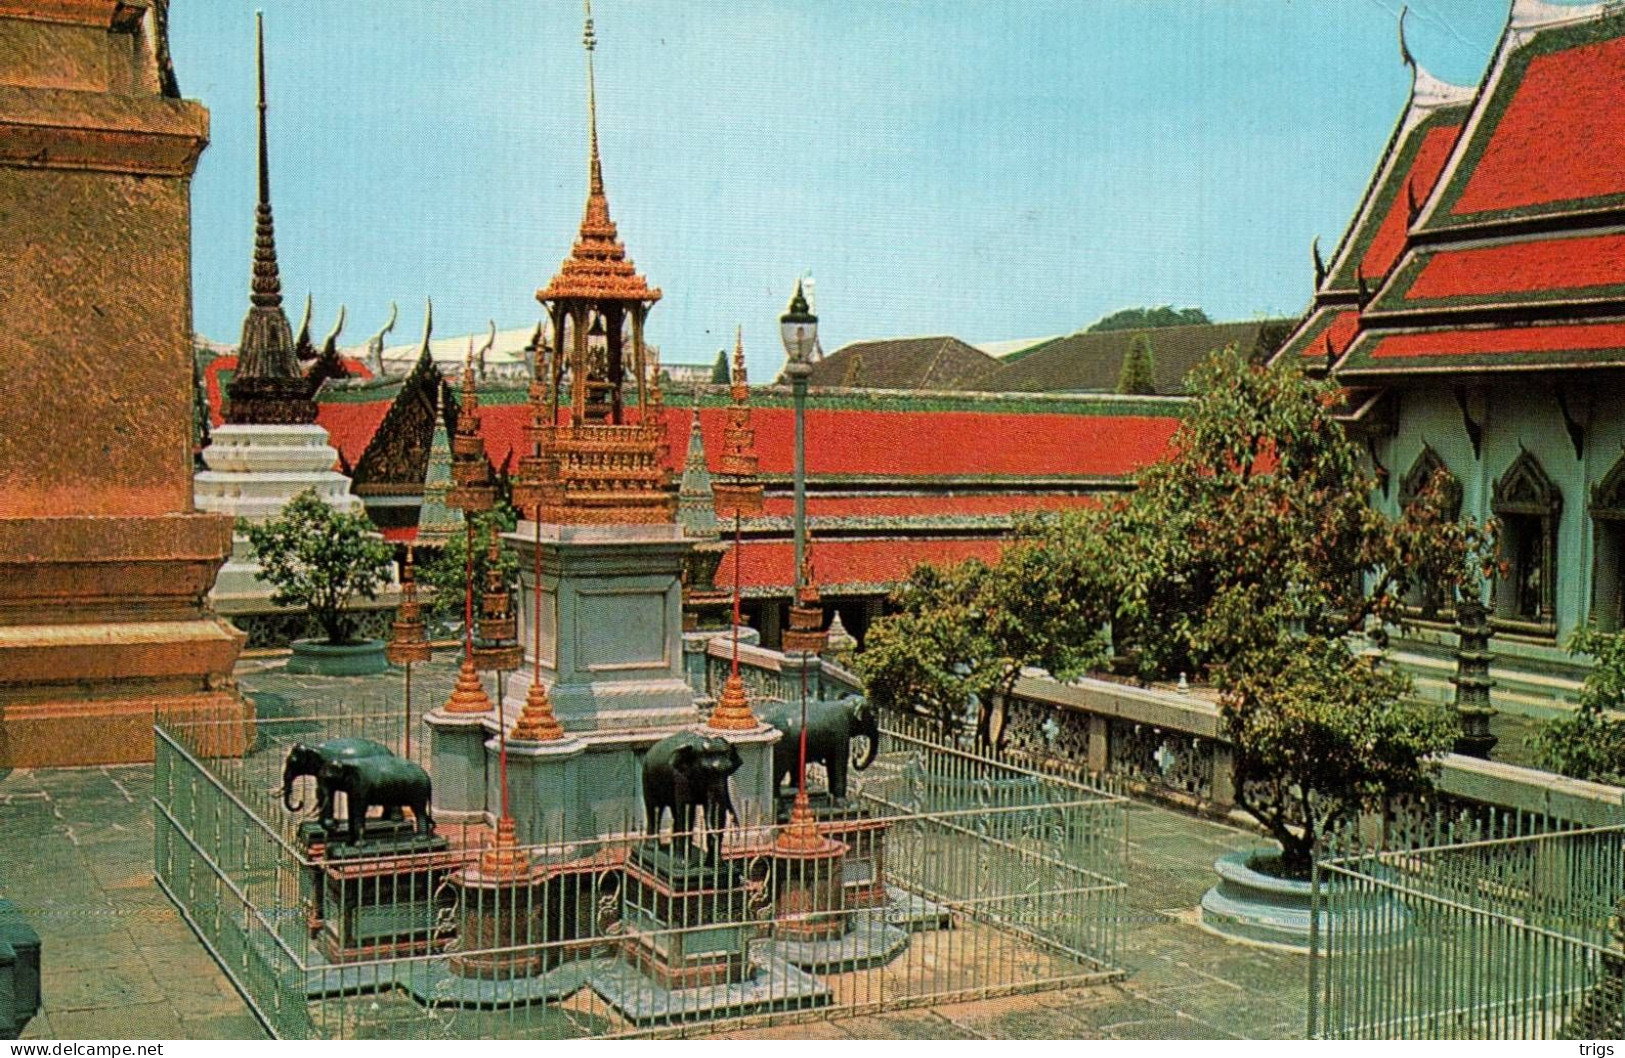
column 498, row 648
column 408, row 635
column 601, row 468
column 474, row 490
column 598, row 267
column 269, row 387
column 738, row 489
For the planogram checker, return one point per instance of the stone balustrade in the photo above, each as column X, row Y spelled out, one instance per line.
column 1164, row 743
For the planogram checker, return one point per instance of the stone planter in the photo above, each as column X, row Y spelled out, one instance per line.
column 1257, row 908
column 315, row 657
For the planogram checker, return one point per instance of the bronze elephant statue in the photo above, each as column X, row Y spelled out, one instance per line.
column 688, row 773
column 303, row 760
column 392, row 782
column 832, row 724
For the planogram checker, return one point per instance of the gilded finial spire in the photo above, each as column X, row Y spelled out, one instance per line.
column 267, row 286
column 269, row 386
column 595, row 171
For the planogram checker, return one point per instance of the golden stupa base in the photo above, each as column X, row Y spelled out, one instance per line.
column 469, row 695
column 801, row 838
column 808, row 867
column 536, row 721
column 732, row 712
column 504, row 859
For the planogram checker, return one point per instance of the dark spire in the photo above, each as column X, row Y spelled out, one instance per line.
column 269, row 386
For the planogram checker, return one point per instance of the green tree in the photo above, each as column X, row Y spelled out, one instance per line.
column 318, row 558
column 1139, row 319
column 719, row 370
column 1253, row 554
column 961, row 636
column 1138, row 375
column 1589, row 743
column 445, row 573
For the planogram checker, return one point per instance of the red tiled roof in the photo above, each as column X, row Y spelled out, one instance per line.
column 1560, row 135
column 905, row 443
column 350, row 425
column 1544, row 266
column 1388, row 241
column 1309, row 341
column 1494, row 348
column 925, row 506
column 770, row 564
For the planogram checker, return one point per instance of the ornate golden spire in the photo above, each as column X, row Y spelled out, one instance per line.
column 738, row 490
column 806, row 632
column 597, row 267
column 269, row 387
column 499, row 629
column 474, row 490
column 732, row 711
column 536, row 720
column 408, row 637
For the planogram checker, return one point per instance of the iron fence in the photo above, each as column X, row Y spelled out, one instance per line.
column 1502, row 937
column 944, row 877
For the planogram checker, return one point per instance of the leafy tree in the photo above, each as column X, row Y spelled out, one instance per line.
column 1589, row 743
column 1140, row 319
column 962, row 635
column 1138, row 375
column 318, row 558
column 719, row 370
column 445, row 573
column 1253, row 554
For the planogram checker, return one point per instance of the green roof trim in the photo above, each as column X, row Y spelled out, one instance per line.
column 825, row 399
column 1395, row 295
column 1299, row 345
column 1346, row 279
column 1546, row 42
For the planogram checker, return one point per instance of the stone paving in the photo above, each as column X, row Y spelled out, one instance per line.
column 120, row 963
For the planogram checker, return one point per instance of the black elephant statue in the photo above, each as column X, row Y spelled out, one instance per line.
column 303, row 760
column 391, row 782
column 688, row 772
column 832, row 724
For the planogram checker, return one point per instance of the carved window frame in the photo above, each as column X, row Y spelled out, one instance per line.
column 1607, row 508
column 1526, row 491
column 1428, row 603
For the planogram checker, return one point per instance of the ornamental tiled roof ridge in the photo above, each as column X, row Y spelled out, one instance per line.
column 1547, row 52
column 1404, row 176
column 1512, row 263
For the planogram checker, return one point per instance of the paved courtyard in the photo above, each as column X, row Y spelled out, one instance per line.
column 120, row 963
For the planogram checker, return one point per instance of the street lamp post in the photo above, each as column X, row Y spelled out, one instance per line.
column 798, row 327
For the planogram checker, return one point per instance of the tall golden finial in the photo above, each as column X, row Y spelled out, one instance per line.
column 595, row 171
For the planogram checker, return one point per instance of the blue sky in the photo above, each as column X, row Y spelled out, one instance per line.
column 986, row 168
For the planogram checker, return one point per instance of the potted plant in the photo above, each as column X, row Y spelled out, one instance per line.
column 1251, row 557
column 1255, row 554
column 321, row 559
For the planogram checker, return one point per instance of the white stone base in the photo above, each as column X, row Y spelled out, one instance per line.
column 254, row 471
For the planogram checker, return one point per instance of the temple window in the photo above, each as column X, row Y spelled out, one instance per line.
column 1429, row 596
column 1608, row 568
column 1527, row 505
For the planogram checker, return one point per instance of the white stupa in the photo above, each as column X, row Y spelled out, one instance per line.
column 270, row 448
